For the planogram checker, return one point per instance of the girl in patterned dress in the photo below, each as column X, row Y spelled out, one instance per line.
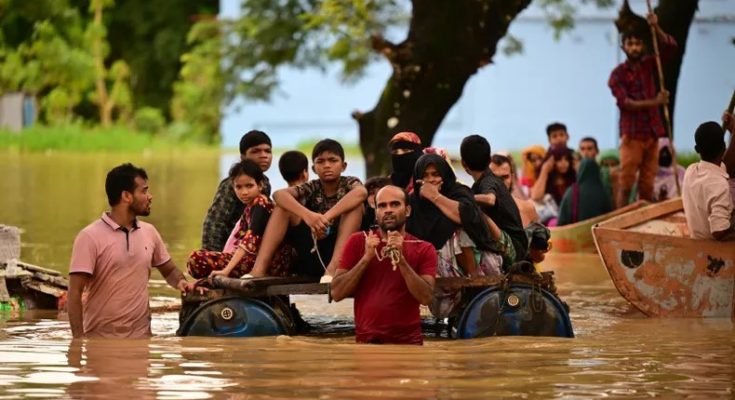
column 238, row 257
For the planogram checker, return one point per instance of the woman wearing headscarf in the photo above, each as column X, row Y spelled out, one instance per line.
column 586, row 198
column 609, row 171
column 445, row 214
column 531, row 159
column 405, row 149
column 556, row 174
column 554, row 178
column 664, row 186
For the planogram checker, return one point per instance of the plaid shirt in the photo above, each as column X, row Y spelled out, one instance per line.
column 223, row 214
column 637, row 81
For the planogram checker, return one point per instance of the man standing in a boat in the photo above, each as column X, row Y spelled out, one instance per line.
column 112, row 259
column 389, row 273
column 634, row 87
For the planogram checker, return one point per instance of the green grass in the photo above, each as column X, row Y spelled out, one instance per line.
column 82, row 138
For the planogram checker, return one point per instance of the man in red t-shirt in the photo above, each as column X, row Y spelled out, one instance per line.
column 387, row 296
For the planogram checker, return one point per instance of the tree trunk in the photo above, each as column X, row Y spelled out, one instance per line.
column 447, row 43
column 99, row 65
column 675, row 18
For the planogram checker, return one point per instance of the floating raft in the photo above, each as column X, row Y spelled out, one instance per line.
column 504, row 305
column 663, row 272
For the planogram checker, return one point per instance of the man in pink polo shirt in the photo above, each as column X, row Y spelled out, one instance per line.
column 112, row 259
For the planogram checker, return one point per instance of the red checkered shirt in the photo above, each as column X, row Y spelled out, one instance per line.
column 637, row 81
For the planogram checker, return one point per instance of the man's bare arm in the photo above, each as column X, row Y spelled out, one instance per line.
column 77, row 282
column 488, row 199
column 421, row 287
column 173, row 276
column 345, row 281
column 352, row 199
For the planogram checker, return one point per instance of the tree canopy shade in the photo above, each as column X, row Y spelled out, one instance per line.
column 447, row 42
column 151, row 37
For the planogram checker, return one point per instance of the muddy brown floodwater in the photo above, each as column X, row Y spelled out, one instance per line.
column 617, row 352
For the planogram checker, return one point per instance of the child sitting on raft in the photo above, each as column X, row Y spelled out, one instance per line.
column 238, row 256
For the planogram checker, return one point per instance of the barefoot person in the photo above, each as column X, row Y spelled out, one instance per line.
column 112, row 260
column 327, row 211
column 389, row 273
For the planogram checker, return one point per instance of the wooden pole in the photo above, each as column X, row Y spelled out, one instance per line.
column 730, row 109
column 667, row 117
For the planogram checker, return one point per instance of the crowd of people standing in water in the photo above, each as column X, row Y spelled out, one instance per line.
column 384, row 242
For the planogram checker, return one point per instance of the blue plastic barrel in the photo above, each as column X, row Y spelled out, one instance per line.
column 234, row 317
column 520, row 310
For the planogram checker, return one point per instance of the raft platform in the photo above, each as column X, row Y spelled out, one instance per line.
column 513, row 304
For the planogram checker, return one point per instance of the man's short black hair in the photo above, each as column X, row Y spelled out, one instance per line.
column 249, row 168
column 556, row 126
column 475, row 152
column 252, row 139
column 709, row 140
column 122, row 179
column 292, row 165
column 590, row 139
column 632, row 34
column 376, row 182
column 329, row 145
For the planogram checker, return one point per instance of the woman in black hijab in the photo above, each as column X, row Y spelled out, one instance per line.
column 405, row 149
column 445, row 214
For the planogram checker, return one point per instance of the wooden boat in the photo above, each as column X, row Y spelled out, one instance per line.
column 493, row 306
column 577, row 237
column 25, row 286
column 659, row 269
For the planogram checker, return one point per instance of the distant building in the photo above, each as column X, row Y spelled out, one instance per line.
column 17, row 110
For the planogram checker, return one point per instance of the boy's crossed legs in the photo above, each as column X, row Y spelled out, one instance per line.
column 275, row 232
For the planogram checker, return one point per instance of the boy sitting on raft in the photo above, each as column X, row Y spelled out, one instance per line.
column 321, row 214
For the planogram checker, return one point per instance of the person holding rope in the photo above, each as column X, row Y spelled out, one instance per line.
column 389, row 273
column 633, row 84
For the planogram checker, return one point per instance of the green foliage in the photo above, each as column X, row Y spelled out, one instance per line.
column 48, row 59
column 58, row 104
column 561, row 13
column 82, row 138
column 300, row 33
column 149, row 119
column 198, row 94
column 151, row 37
column 687, row 158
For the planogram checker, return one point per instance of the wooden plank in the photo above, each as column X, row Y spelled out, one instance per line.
column 644, row 214
column 36, row 268
column 275, row 287
column 303, row 288
column 591, row 221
